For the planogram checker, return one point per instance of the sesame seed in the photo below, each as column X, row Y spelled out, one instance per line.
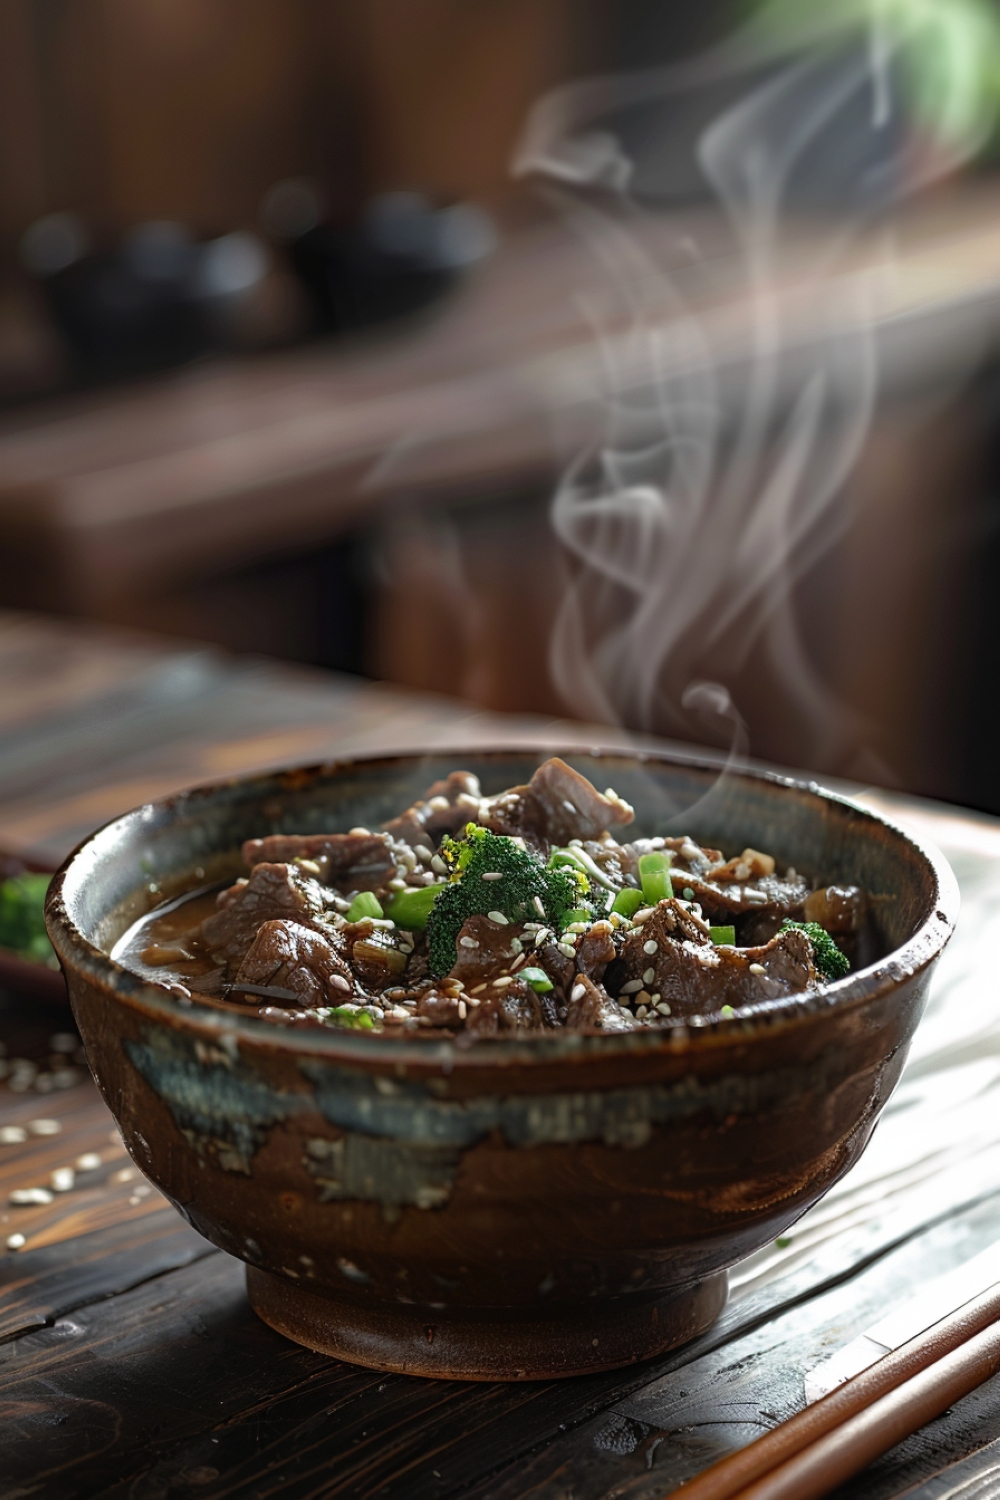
column 641, row 1012
column 439, row 803
column 518, row 961
column 537, row 902
column 479, row 988
column 577, row 927
column 438, row 864
column 88, row 1162
column 541, row 936
column 567, row 950
column 12, row 1135
column 742, row 870
column 44, row 1127
column 491, row 875
column 29, row 1197
column 757, row 969
column 502, row 982
column 462, row 1010
column 498, row 917
column 396, row 884
column 472, row 1002
column 422, row 852
column 642, row 915
column 643, row 998
column 578, row 991
column 15, row 1241
column 649, row 976
column 632, row 988
column 650, row 946
column 361, row 832
column 516, row 946
column 569, row 807
column 338, row 982
column 62, row 1179
column 467, row 942
column 663, row 1007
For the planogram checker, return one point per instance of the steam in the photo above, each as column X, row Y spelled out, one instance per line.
column 712, row 489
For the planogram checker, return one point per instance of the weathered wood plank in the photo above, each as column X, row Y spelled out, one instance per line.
column 232, row 1396
column 42, row 1285
column 645, row 1446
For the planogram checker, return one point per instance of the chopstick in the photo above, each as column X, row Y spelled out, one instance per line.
column 817, row 1449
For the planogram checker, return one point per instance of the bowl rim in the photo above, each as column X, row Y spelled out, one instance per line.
column 421, row 1051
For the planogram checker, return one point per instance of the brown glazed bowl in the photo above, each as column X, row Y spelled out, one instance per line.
column 521, row 1207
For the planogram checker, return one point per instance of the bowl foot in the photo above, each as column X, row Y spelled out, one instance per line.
column 488, row 1343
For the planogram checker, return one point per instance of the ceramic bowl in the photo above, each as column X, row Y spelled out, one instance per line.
column 520, row 1207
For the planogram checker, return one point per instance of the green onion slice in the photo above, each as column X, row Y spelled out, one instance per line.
column 538, row 979
column 723, row 936
column 410, row 909
column 627, row 902
column 365, row 904
column 654, row 877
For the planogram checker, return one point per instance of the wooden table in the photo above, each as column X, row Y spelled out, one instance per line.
column 130, row 1362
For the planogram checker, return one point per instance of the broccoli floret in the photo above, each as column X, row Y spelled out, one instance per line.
column 524, row 883
column 829, row 960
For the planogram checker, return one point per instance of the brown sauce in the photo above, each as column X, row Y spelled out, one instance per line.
column 153, row 947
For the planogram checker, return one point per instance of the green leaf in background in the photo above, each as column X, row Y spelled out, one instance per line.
column 948, row 53
column 22, row 920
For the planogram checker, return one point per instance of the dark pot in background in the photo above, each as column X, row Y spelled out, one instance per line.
column 517, row 1208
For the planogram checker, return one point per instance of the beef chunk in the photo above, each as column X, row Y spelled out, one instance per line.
column 557, row 966
column 298, row 958
column 272, row 893
column 596, row 950
column 350, row 861
column 493, row 953
column 694, row 977
column 838, row 909
column 557, row 805
column 376, row 958
column 719, row 902
column 447, row 807
column 591, row 1008
column 514, row 1007
column 669, row 921
column 442, row 1007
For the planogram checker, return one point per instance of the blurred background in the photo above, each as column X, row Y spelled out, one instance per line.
column 371, row 336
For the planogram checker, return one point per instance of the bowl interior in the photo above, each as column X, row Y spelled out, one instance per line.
column 133, row 863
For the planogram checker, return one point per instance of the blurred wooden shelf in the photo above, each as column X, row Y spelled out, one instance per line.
column 104, row 495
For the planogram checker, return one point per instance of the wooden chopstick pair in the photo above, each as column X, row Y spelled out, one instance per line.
column 820, row 1447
